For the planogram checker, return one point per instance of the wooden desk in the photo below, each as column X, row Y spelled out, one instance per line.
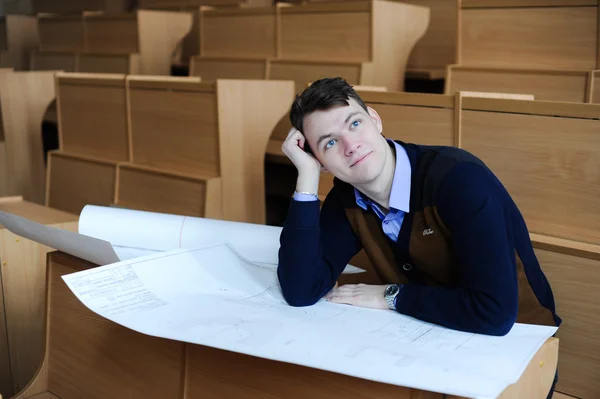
column 90, row 357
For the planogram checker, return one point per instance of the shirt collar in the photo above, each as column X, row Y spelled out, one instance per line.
column 401, row 183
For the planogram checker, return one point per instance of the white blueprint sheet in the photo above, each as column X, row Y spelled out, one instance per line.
column 216, row 297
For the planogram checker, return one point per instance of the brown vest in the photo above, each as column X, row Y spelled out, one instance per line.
column 428, row 243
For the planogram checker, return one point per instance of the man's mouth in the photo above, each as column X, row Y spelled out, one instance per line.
column 361, row 159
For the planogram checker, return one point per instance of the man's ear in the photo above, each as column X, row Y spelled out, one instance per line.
column 375, row 116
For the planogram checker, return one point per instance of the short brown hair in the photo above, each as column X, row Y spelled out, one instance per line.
column 320, row 96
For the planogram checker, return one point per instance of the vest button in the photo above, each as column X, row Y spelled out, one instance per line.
column 407, row 267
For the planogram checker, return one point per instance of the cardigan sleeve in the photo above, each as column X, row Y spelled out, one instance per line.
column 315, row 247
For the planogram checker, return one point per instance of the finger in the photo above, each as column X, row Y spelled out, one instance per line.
column 301, row 140
column 291, row 132
column 346, row 298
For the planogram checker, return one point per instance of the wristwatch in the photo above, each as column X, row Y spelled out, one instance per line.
column 390, row 294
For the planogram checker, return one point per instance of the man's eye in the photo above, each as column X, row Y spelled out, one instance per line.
column 356, row 123
column 329, row 144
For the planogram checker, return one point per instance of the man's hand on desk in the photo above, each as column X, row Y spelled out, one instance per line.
column 366, row 296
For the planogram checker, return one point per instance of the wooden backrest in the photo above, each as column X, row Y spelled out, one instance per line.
column 75, row 181
column 61, row 33
column 108, row 63
column 54, row 60
column 529, row 34
column 72, row 6
column 174, row 124
column 572, row 270
column 240, row 32
column 112, row 33
column 23, row 303
column 545, row 85
column 24, row 98
column 335, row 31
column 305, row 72
column 93, row 115
column 156, row 190
column 213, row 68
column 153, row 35
column 548, row 157
column 178, row 127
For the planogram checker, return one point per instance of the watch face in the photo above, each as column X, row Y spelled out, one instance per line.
column 391, row 290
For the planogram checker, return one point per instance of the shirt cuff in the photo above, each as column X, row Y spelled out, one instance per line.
column 301, row 197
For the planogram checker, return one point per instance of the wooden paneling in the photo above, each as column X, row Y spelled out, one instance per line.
column 54, row 61
column 157, row 191
column 112, row 34
column 104, row 63
column 566, row 86
column 175, row 129
column 413, row 124
column 303, row 73
column 544, row 37
column 243, row 34
column 93, row 117
column 575, row 283
column 330, row 36
column 550, row 166
column 23, row 275
column 93, row 358
column 61, row 33
column 74, row 182
column 211, row 69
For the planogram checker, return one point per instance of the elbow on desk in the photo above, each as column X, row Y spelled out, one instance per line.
column 298, row 295
column 498, row 323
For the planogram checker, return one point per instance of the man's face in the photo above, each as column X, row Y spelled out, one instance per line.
column 347, row 141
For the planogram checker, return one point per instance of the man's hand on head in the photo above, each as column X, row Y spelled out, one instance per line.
column 362, row 295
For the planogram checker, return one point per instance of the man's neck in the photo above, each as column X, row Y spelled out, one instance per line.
column 379, row 189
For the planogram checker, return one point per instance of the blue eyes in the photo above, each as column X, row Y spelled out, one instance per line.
column 332, row 142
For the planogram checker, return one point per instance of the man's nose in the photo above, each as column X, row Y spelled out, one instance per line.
column 351, row 145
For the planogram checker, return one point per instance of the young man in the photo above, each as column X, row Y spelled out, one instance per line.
column 439, row 228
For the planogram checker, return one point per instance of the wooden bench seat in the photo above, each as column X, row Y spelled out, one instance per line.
column 22, row 294
column 151, row 36
column 167, row 144
column 89, row 356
